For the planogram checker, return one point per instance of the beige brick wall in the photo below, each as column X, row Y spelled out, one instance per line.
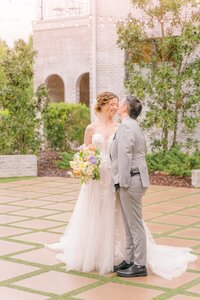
column 110, row 58
column 18, row 165
column 65, row 49
column 62, row 49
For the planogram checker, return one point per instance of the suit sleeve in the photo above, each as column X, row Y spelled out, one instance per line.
column 126, row 142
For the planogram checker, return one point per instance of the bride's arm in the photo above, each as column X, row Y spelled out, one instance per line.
column 88, row 134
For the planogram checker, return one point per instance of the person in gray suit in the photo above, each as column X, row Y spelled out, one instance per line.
column 131, row 179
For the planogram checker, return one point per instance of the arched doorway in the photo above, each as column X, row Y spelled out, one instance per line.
column 83, row 89
column 55, row 86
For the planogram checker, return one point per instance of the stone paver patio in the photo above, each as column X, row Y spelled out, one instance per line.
column 36, row 211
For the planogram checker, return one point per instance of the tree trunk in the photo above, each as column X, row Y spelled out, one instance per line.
column 175, row 129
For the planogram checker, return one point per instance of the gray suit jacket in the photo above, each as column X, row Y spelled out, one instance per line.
column 128, row 152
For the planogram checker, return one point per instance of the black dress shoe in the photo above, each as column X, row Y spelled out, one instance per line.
column 133, row 271
column 122, row 266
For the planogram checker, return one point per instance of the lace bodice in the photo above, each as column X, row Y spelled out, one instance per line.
column 104, row 146
column 99, row 140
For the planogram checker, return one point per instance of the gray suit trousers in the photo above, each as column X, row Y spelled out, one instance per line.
column 131, row 205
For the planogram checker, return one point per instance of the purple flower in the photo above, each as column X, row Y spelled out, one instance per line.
column 93, row 160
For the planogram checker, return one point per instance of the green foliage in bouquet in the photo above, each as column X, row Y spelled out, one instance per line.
column 173, row 162
column 65, row 124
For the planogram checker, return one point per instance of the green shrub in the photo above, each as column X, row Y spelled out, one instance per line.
column 66, row 157
column 65, row 124
column 19, row 116
column 173, row 162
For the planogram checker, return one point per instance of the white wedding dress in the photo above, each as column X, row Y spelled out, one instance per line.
column 95, row 239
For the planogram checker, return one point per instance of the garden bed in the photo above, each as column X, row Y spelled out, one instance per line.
column 47, row 167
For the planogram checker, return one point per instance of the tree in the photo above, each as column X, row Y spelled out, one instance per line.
column 3, row 51
column 163, row 64
column 19, row 120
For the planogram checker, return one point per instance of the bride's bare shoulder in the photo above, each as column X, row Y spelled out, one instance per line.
column 91, row 126
column 90, row 129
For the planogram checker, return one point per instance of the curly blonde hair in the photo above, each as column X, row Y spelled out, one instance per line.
column 103, row 99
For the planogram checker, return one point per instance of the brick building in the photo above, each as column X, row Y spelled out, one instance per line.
column 77, row 54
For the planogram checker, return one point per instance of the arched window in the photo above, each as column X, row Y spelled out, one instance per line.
column 83, row 89
column 55, row 86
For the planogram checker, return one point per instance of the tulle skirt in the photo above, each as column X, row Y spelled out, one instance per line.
column 94, row 239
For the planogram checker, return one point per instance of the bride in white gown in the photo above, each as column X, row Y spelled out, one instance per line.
column 94, row 239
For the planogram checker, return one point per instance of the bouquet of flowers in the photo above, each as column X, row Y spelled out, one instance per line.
column 85, row 164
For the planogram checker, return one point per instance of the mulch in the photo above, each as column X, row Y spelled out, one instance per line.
column 47, row 167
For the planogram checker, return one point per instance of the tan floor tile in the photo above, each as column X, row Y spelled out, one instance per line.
column 38, row 224
column 185, row 201
column 49, row 184
column 155, row 198
column 60, row 229
column 158, row 281
column 8, row 185
column 42, row 256
column 11, row 270
column 4, row 219
column 55, row 282
column 27, row 188
column 26, row 195
column 150, row 215
column 176, row 219
column 74, row 194
column 189, row 233
column 117, row 291
column 29, row 181
column 195, row 289
column 47, row 178
column 11, row 247
column 8, row 208
column 68, row 197
column 177, row 203
column 31, row 203
column 157, row 188
column 180, row 192
column 72, row 201
column 53, row 190
column 160, row 228
column 182, row 297
column 169, row 241
column 7, row 231
column 10, row 193
column 55, row 198
column 60, row 206
column 6, row 199
column 34, row 212
column 14, row 294
column 195, row 212
column 39, row 237
column 162, row 208
column 65, row 217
